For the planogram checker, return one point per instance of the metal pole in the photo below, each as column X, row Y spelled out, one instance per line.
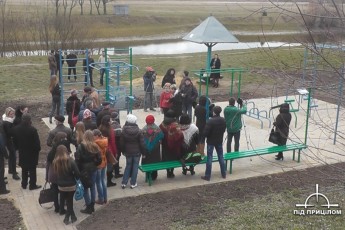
column 239, row 85
column 340, row 91
column 307, row 120
column 106, row 75
column 62, row 105
column 232, row 82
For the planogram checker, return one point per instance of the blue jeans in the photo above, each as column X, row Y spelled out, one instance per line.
column 219, row 149
column 101, row 184
column 236, row 137
column 92, row 190
column 132, row 165
column 55, row 106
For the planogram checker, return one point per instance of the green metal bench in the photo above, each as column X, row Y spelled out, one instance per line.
column 149, row 168
column 262, row 151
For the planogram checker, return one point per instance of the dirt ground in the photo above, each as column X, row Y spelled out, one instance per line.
column 145, row 207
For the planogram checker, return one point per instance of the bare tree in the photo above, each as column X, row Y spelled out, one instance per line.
column 90, row 7
column 104, row 6
column 57, row 5
column 3, row 27
column 81, row 3
column 97, row 4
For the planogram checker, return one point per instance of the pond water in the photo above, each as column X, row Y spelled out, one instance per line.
column 175, row 47
column 185, row 47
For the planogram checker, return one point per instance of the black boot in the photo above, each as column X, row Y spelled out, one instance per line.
column 73, row 217
column 92, row 207
column 109, row 177
column 279, row 156
column 191, row 169
column 66, row 220
column 87, row 210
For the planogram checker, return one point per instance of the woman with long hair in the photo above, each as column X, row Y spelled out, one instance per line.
column 88, row 157
column 78, row 134
column 55, row 90
column 108, row 131
column 67, row 172
column 59, row 139
column 101, row 184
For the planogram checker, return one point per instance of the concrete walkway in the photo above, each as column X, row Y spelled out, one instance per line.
column 321, row 150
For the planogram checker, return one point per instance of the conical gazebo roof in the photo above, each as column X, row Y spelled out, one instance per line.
column 210, row 31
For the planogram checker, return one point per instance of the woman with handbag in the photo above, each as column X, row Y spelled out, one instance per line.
column 282, row 126
column 67, row 172
column 72, row 108
column 51, row 177
column 88, row 157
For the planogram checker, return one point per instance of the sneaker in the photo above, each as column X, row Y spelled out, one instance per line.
column 134, row 186
column 152, row 109
column 123, row 186
column 111, row 184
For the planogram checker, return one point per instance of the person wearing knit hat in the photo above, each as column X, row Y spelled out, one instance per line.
column 214, row 132
column 132, row 119
column 74, row 92
column 132, row 145
column 152, row 138
column 87, row 114
column 150, row 119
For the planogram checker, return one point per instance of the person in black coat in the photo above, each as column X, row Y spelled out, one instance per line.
column 214, row 132
column 189, row 94
column 149, row 79
column 72, row 107
column 282, row 126
column 176, row 102
column 3, row 155
column 169, row 77
column 72, row 60
column 20, row 110
column 215, row 66
column 27, row 141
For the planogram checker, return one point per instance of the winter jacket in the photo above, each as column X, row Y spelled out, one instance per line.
column 164, row 99
column 132, row 140
column 189, row 93
column 282, row 123
column 214, row 130
column 59, row 128
column 72, row 101
column 56, row 93
column 232, row 116
column 68, row 179
column 176, row 104
column 72, row 60
column 103, row 146
column 168, row 78
column 190, row 137
column 149, row 78
column 27, row 141
column 52, row 62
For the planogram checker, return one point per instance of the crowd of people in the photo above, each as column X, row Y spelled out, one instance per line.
column 95, row 131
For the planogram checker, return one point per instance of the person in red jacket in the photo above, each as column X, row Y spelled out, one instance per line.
column 166, row 94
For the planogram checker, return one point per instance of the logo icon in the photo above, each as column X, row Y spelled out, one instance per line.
column 327, row 204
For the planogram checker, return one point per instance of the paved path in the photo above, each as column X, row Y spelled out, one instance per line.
column 321, row 150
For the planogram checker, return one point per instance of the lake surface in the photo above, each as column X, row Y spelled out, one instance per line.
column 186, row 47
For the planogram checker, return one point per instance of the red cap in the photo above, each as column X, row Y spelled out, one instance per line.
column 150, row 119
